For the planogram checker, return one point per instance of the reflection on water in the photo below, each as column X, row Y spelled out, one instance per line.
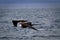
column 48, row 18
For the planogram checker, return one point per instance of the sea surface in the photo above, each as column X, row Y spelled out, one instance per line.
column 48, row 18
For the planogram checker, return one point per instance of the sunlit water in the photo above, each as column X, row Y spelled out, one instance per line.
column 48, row 18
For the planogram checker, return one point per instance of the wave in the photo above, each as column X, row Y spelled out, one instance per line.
column 3, row 21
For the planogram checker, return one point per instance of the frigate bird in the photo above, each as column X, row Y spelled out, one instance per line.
column 23, row 24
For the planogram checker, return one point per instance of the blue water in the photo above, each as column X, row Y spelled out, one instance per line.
column 48, row 18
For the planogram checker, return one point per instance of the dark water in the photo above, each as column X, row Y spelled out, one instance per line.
column 48, row 18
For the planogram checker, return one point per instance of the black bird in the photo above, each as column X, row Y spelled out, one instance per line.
column 23, row 24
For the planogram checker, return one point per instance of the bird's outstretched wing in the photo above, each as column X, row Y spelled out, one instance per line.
column 33, row 28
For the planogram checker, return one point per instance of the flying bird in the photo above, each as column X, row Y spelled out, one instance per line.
column 23, row 24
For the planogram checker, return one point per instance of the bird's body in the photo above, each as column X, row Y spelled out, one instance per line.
column 25, row 24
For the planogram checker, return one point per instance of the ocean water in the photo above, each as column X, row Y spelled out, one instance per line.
column 48, row 18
